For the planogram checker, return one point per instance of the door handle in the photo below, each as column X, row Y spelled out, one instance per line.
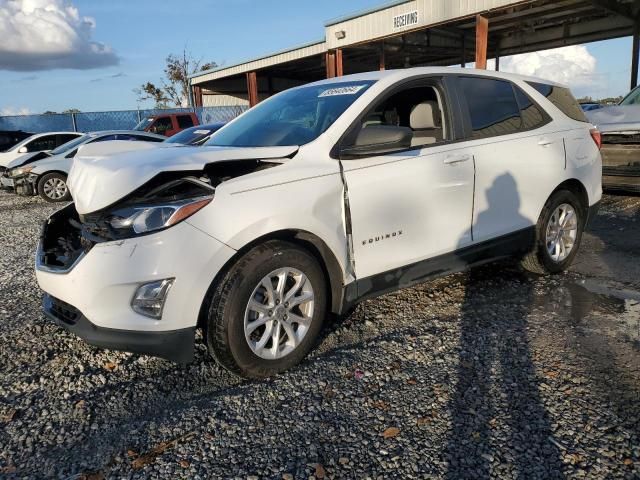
column 545, row 142
column 453, row 159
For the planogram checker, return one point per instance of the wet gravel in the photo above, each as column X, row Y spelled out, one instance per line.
column 494, row 373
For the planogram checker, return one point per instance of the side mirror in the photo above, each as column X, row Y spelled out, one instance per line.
column 377, row 139
column 22, row 150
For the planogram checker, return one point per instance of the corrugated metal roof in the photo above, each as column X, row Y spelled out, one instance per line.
column 292, row 53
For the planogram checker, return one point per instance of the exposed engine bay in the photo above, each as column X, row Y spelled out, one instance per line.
column 150, row 208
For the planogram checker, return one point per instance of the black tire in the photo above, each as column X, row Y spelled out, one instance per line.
column 224, row 330
column 55, row 176
column 538, row 260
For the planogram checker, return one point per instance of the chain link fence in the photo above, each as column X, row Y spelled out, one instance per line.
column 115, row 120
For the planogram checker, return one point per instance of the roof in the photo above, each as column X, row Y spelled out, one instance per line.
column 132, row 132
column 394, row 75
column 56, row 133
column 292, row 53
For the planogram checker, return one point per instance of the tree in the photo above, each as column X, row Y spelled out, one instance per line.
column 71, row 110
column 174, row 88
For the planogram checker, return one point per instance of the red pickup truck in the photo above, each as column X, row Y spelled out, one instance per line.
column 167, row 124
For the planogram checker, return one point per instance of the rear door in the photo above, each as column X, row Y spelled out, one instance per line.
column 519, row 155
column 410, row 205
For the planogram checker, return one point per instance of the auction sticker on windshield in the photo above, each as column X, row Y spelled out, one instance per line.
column 350, row 90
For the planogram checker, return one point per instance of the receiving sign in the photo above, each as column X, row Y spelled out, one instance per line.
column 405, row 20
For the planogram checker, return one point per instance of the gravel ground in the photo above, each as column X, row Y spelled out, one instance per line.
column 494, row 373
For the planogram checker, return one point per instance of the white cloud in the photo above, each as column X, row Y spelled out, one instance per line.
column 10, row 111
column 572, row 65
column 48, row 34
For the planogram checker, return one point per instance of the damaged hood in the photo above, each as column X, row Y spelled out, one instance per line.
column 97, row 181
column 616, row 119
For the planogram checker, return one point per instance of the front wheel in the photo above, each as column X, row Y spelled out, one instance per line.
column 558, row 234
column 267, row 310
column 53, row 187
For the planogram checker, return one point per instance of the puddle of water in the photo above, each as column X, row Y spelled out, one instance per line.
column 593, row 305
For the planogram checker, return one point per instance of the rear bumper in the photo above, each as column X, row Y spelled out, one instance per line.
column 174, row 345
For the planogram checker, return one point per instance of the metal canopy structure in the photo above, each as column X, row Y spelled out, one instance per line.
column 411, row 33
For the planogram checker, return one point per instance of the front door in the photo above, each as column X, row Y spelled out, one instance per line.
column 415, row 204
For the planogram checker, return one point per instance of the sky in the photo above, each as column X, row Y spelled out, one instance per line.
column 91, row 54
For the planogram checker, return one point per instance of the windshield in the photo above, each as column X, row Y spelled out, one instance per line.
column 633, row 98
column 143, row 124
column 294, row 117
column 194, row 135
column 20, row 144
column 65, row 147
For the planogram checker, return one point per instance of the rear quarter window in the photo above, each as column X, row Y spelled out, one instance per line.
column 563, row 99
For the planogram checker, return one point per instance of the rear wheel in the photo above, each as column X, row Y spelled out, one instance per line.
column 558, row 234
column 267, row 310
column 53, row 187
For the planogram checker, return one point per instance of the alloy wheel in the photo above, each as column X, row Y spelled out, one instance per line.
column 279, row 313
column 55, row 188
column 562, row 231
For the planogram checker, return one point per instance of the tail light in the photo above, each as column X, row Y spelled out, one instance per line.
column 597, row 137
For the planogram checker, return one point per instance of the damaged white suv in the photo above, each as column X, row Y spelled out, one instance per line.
column 317, row 198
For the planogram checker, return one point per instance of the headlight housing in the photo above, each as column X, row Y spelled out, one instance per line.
column 20, row 171
column 137, row 220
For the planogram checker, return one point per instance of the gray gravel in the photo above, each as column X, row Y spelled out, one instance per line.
column 488, row 374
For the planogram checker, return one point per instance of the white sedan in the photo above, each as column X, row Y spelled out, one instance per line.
column 46, row 174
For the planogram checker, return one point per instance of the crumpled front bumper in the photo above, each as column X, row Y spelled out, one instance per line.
column 25, row 185
column 174, row 345
column 92, row 295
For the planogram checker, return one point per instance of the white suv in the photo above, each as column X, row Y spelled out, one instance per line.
column 317, row 198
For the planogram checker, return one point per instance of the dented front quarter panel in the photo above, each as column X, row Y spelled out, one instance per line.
column 304, row 194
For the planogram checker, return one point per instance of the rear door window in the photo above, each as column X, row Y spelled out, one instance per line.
column 493, row 109
column 64, row 138
column 143, row 138
column 563, row 99
column 185, row 121
column 46, row 142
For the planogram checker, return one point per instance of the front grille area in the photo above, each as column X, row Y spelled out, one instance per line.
column 62, row 242
column 62, row 311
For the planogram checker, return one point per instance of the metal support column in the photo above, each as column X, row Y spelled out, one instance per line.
column 331, row 63
column 635, row 55
column 482, row 35
column 252, row 88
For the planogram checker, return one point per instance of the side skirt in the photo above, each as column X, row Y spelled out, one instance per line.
column 511, row 245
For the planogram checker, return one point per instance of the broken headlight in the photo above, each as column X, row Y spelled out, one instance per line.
column 137, row 220
column 20, row 171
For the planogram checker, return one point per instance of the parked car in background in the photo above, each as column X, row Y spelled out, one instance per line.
column 40, row 142
column 619, row 126
column 46, row 174
column 8, row 138
column 167, row 124
column 588, row 107
column 315, row 199
column 195, row 135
